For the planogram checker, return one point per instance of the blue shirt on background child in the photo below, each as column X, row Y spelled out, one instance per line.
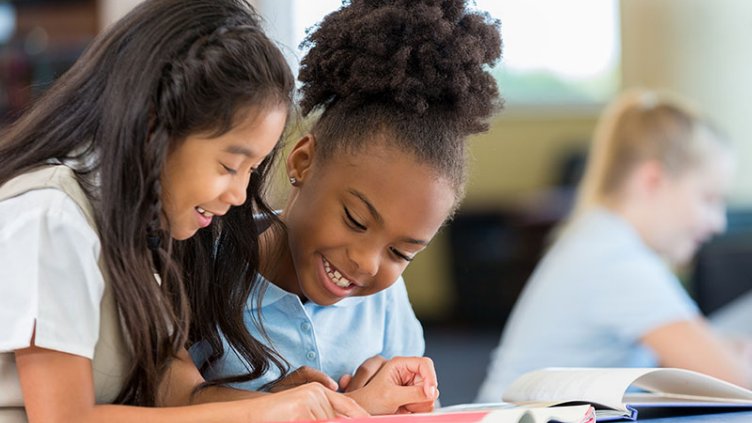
column 588, row 303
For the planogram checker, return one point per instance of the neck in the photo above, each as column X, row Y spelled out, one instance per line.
column 636, row 214
column 277, row 264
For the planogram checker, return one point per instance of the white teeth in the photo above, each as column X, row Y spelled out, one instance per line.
column 335, row 276
column 204, row 212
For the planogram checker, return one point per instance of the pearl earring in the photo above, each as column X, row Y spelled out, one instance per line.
column 293, row 181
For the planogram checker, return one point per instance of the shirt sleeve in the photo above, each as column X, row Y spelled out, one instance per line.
column 50, row 280
column 642, row 295
column 403, row 333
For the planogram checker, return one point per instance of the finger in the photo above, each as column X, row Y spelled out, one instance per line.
column 409, row 397
column 420, row 369
column 303, row 375
column 365, row 372
column 322, row 378
column 420, row 407
column 344, row 406
column 344, row 381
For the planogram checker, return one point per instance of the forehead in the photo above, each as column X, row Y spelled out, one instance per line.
column 401, row 188
column 254, row 134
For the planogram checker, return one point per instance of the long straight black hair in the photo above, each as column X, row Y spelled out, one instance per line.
column 168, row 69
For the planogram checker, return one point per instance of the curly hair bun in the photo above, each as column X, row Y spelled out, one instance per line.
column 419, row 56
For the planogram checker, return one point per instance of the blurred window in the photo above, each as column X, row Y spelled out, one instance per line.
column 557, row 52
column 7, row 21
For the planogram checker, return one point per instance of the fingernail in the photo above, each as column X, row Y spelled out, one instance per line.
column 431, row 392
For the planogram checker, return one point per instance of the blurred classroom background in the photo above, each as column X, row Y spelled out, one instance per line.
column 562, row 61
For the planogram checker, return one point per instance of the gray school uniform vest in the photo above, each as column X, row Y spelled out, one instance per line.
column 111, row 358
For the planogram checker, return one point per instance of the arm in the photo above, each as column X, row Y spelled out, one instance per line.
column 47, row 378
column 691, row 344
column 183, row 377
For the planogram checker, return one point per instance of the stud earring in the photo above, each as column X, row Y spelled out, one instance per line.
column 293, row 181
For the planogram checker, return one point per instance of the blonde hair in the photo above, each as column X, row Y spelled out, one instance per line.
column 637, row 126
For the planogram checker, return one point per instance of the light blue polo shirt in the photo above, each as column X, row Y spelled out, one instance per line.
column 335, row 339
column 595, row 294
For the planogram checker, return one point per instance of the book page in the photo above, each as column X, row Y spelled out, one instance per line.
column 598, row 386
column 607, row 387
column 578, row 413
column 686, row 384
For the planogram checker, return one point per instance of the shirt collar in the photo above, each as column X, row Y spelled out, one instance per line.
column 273, row 293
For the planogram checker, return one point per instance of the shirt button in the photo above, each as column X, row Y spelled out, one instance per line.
column 311, row 355
column 306, row 327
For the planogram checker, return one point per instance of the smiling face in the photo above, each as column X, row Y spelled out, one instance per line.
column 203, row 176
column 355, row 221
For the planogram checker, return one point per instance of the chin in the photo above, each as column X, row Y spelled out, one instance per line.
column 684, row 257
column 182, row 235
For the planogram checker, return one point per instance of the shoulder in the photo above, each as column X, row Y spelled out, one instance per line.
column 48, row 204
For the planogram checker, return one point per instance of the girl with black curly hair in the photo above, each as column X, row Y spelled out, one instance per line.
column 399, row 85
column 166, row 125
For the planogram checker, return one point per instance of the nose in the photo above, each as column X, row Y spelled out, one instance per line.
column 365, row 259
column 236, row 192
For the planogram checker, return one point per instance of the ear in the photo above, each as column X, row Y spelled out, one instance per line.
column 300, row 160
column 650, row 176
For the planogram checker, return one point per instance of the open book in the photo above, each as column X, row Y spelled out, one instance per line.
column 508, row 413
column 618, row 393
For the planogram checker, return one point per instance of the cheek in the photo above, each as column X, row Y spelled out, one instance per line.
column 191, row 193
column 389, row 272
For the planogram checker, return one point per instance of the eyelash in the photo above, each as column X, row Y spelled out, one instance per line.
column 400, row 255
column 229, row 170
column 362, row 228
column 354, row 223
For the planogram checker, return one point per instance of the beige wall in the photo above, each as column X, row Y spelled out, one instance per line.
column 700, row 49
column 112, row 10
column 515, row 158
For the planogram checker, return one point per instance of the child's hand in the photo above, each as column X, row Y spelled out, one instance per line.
column 301, row 376
column 307, row 402
column 402, row 385
column 363, row 375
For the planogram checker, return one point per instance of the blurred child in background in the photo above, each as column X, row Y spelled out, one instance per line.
column 605, row 295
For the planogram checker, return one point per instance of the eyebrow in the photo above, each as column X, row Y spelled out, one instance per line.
column 375, row 213
column 237, row 149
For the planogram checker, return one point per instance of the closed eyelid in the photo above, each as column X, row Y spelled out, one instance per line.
column 353, row 220
column 402, row 255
